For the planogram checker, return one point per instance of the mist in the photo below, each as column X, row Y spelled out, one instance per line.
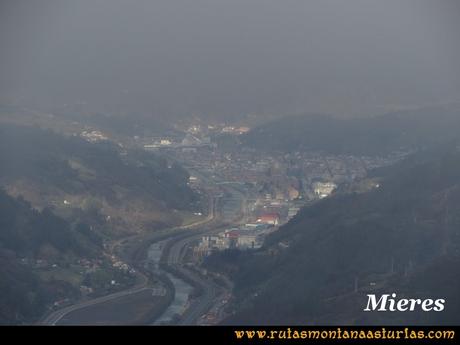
column 230, row 58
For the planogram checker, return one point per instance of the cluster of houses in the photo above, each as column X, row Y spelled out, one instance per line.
column 246, row 237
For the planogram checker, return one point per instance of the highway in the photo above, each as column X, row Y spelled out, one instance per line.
column 139, row 243
column 133, row 249
column 210, row 292
column 56, row 317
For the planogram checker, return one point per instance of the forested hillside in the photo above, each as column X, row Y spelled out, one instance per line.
column 70, row 174
column 62, row 201
column 380, row 135
column 402, row 236
column 28, row 237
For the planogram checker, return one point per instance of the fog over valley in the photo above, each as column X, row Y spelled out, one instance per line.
column 230, row 58
column 230, row 162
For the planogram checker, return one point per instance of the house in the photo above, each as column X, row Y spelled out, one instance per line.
column 269, row 218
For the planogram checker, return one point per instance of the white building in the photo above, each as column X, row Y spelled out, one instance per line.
column 249, row 240
column 165, row 142
column 323, row 189
column 93, row 136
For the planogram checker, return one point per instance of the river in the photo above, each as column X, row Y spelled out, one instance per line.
column 182, row 289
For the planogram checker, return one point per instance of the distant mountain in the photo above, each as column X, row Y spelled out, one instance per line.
column 135, row 189
column 368, row 136
column 400, row 237
column 125, row 125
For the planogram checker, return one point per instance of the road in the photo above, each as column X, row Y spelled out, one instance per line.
column 138, row 241
column 54, row 318
column 174, row 255
column 211, row 292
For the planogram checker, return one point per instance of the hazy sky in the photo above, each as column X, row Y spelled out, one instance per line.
column 231, row 57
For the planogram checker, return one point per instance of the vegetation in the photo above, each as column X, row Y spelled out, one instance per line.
column 28, row 237
column 59, row 193
column 401, row 237
column 368, row 136
column 74, row 165
column 79, row 179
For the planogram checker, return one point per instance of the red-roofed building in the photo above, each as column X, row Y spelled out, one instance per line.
column 269, row 218
column 232, row 236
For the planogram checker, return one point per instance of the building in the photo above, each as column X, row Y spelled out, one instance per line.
column 269, row 218
column 193, row 179
column 93, row 136
column 232, row 238
column 323, row 189
column 191, row 141
column 165, row 142
column 214, row 242
column 242, row 130
column 293, row 211
column 249, row 240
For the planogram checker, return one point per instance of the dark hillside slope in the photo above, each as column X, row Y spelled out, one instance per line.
column 370, row 136
column 27, row 235
column 402, row 237
column 51, row 170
